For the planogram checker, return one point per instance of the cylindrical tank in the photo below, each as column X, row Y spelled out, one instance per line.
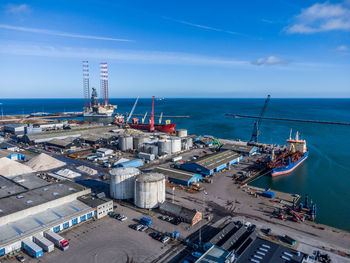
column 125, row 142
column 163, row 137
column 164, row 147
column 175, row 144
column 122, row 182
column 149, row 190
column 153, row 149
column 138, row 140
column 181, row 133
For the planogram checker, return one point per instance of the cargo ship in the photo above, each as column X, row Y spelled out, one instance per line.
column 288, row 160
column 150, row 126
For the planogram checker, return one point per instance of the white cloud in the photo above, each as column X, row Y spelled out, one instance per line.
column 58, row 33
column 271, row 60
column 321, row 17
column 17, row 9
column 342, row 48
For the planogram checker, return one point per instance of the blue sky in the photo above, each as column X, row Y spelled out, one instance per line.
column 176, row 48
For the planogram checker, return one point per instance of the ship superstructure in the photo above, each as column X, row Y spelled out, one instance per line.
column 93, row 107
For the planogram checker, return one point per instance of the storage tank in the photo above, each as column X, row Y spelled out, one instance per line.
column 164, row 147
column 122, row 182
column 181, row 133
column 149, row 190
column 138, row 141
column 186, row 143
column 125, row 142
column 153, row 149
column 175, row 144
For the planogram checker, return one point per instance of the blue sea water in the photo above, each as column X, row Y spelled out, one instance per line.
column 324, row 176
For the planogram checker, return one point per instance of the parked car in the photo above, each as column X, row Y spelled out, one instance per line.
column 133, row 226
column 121, row 217
column 165, row 239
column 138, row 227
column 20, row 258
column 176, row 221
column 143, row 228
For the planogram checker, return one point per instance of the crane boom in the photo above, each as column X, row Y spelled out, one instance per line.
column 132, row 110
column 256, row 131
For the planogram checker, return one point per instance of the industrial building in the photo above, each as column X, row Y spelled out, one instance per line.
column 101, row 205
column 16, row 129
column 244, row 149
column 212, row 163
column 216, row 254
column 30, row 206
column 64, row 144
column 43, row 138
column 8, row 146
column 190, row 216
column 179, row 176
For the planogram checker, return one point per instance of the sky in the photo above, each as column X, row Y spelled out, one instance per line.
column 221, row 49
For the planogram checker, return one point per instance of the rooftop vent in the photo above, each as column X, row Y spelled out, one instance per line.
column 12, row 192
column 29, row 201
column 55, row 193
column 45, row 189
column 19, row 196
column 1, row 211
column 3, row 186
column 71, row 189
column 60, row 185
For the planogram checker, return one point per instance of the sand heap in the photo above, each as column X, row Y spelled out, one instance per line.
column 9, row 168
column 88, row 170
column 44, row 162
column 68, row 173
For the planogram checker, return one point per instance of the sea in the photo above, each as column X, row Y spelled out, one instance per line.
column 324, row 176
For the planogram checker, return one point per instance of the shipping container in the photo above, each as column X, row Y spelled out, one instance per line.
column 44, row 243
column 268, row 194
column 59, row 241
column 31, row 248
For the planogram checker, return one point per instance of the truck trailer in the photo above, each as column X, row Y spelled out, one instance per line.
column 59, row 241
column 31, row 248
column 44, row 243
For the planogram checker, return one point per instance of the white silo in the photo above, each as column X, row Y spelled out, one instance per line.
column 164, row 147
column 122, row 182
column 125, row 142
column 175, row 144
column 181, row 133
column 149, row 190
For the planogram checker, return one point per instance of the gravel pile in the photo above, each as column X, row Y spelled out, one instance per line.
column 44, row 162
column 9, row 168
column 87, row 170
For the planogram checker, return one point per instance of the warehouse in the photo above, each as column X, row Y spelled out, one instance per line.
column 190, row 216
column 8, row 146
column 41, row 138
column 212, row 163
column 179, row 177
column 246, row 150
column 50, row 206
column 64, row 144
column 94, row 140
column 16, row 129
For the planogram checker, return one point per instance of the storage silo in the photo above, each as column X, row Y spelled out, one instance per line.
column 153, row 149
column 149, row 190
column 186, row 143
column 175, row 144
column 181, row 133
column 164, row 147
column 125, row 142
column 122, row 182
column 138, row 141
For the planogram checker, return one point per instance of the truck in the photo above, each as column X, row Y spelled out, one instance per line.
column 59, row 241
column 176, row 159
column 31, row 248
column 44, row 243
column 146, row 221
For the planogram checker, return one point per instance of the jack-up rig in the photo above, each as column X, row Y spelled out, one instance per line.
column 92, row 106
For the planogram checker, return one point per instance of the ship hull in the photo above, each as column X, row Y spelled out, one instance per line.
column 88, row 114
column 288, row 168
column 168, row 128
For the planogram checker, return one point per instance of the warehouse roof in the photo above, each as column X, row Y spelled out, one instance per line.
column 215, row 254
column 216, row 159
column 38, row 196
column 175, row 173
column 41, row 221
column 178, row 210
column 273, row 253
column 30, row 181
column 62, row 142
column 93, row 201
column 6, row 145
column 7, row 187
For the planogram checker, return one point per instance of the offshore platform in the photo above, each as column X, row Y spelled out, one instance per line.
column 93, row 107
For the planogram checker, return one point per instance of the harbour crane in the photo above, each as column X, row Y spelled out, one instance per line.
column 256, row 131
column 132, row 110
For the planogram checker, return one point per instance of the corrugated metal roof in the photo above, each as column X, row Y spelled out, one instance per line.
column 216, row 159
column 175, row 173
